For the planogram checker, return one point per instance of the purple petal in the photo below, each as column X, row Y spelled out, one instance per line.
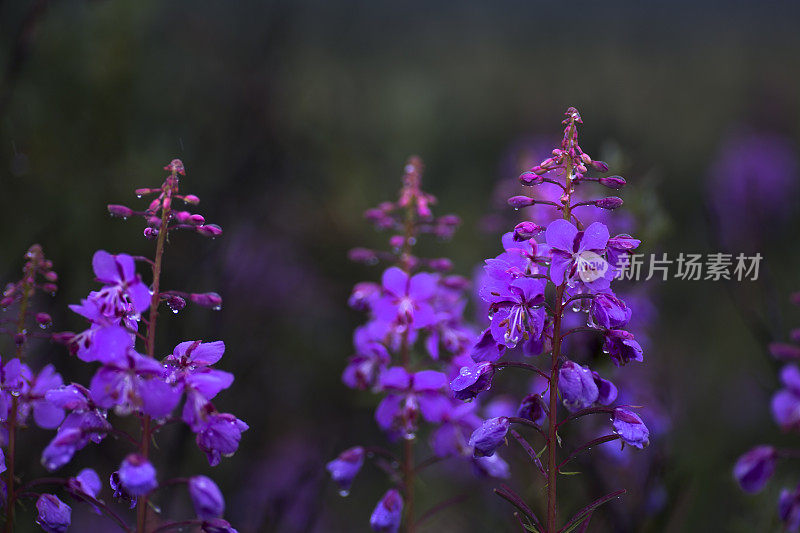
column 105, row 267
column 46, row 415
column 111, row 344
column 158, row 398
column 561, row 234
column 595, row 237
column 395, row 281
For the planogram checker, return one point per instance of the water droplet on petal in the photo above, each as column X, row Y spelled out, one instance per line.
column 344, row 493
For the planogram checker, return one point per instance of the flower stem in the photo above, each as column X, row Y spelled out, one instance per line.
column 27, row 289
column 407, row 464
column 144, row 444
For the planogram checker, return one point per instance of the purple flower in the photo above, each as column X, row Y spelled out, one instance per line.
column 123, row 284
column 344, row 468
column 219, row 436
column 492, row 466
column 55, row 516
column 753, row 469
column 577, row 255
column 137, row 476
column 134, row 383
column 630, row 428
column 609, row 311
column 450, row 438
column 619, row 248
column 607, row 391
column 407, row 299
column 409, row 396
column 518, row 313
column 388, row 513
column 622, row 347
column 486, row 348
column 789, row 509
column 490, row 435
column 533, row 408
column 786, row 402
column 206, row 497
column 365, row 366
column 86, row 482
column 119, row 491
column 45, row 414
column 472, row 380
column 577, row 386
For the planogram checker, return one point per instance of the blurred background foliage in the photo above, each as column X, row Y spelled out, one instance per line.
column 292, row 117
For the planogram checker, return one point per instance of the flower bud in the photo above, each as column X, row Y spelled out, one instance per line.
column 51, row 276
column 197, row 220
column 176, row 303
column 362, row 255
column 344, row 468
column 784, row 351
column 137, row 476
column 526, row 230
column 142, row 192
column 388, row 513
column 441, row 264
column 455, row 282
column 43, row 319
column 374, row 215
column 753, row 469
column 610, row 202
column 520, row 201
column 599, row 166
column 5, row 302
column 150, row 233
column 472, row 380
column 209, row 230
column 397, row 241
column 191, row 199
column 120, row 211
column 154, row 222
column 207, row 299
column 55, row 516
column 630, row 428
column 176, row 165
column 63, row 337
column 49, row 287
column 182, row 216
column 206, row 497
column 613, row 182
column 533, row 408
column 530, row 179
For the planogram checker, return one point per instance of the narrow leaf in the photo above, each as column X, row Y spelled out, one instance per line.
column 579, row 517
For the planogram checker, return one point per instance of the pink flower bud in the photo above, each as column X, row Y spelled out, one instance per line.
column 5, row 302
column 120, row 211
column 530, row 179
column 599, row 166
column 373, row 215
column 176, row 165
column 155, row 205
column 209, row 230
column 50, row 276
column 520, row 201
column 142, row 192
column 455, row 282
column 586, row 159
column 191, row 199
column 43, row 319
column 362, row 255
column 167, row 203
column 63, row 337
column 182, row 216
column 441, row 264
column 613, row 182
column 154, row 222
column 49, row 287
column 150, row 233
column 450, row 220
column 207, row 299
column 197, row 220
column 581, row 169
column 526, row 230
column 610, row 202
column 396, row 241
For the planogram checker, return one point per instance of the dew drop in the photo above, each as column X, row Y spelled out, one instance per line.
column 138, row 196
column 43, row 326
column 216, row 308
column 344, row 493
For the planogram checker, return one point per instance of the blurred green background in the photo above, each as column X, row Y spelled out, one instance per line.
column 292, row 117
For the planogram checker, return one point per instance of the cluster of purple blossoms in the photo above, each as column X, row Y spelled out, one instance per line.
column 754, row 469
column 579, row 261
column 414, row 343
column 128, row 381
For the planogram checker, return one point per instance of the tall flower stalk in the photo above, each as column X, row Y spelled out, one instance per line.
column 578, row 262
column 128, row 382
column 414, row 341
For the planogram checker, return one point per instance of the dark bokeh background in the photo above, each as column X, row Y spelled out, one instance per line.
column 293, row 117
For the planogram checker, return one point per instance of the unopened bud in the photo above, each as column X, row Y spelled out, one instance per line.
column 5, row 302
column 176, row 165
column 441, row 264
column 63, row 337
column 119, row 210
column 784, row 351
column 396, row 241
column 610, row 202
column 373, row 215
column 176, row 303
column 19, row 339
column 530, row 179
column 581, row 169
column 207, row 299
column 191, row 199
column 197, row 220
column 362, row 255
column 613, row 182
column 43, row 319
column 49, row 287
column 154, row 222
column 50, row 276
column 209, row 230
column 142, row 192
column 599, row 166
column 182, row 216
column 526, row 230
column 150, row 233
column 520, row 201
column 455, row 282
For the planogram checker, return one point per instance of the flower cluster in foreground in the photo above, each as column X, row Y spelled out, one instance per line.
column 129, row 380
column 532, row 290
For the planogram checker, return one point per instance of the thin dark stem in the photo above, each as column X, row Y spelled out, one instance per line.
column 407, row 463
column 579, row 329
column 519, row 364
column 430, row 461
column 526, row 422
column 441, row 506
column 586, row 446
column 584, row 412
